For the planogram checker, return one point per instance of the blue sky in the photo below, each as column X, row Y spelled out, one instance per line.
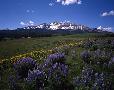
column 93, row 13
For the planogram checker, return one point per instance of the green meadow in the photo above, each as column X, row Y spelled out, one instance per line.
column 84, row 54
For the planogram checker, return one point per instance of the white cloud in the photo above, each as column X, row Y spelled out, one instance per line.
column 22, row 23
column 27, row 24
column 30, row 11
column 27, row 11
column 79, row 2
column 68, row 2
column 51, row 4
column 58, row 0
column 31, row 22
column 110, row 29
column 111, row 13
column 104, row 14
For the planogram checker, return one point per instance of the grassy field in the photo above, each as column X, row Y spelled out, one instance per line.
column 84, row 53
column 15, row 47
column 18, row 46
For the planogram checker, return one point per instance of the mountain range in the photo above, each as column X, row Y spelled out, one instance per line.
column 44, row 30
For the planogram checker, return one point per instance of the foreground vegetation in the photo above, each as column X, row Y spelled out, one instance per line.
column 73, row 62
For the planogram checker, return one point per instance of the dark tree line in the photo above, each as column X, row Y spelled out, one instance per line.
column 19, row 33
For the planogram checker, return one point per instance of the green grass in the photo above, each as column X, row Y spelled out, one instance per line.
column 15, row 47
column 19, row 46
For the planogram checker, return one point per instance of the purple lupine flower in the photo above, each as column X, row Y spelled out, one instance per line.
column 13, row 84
column 33, row 75
column 85, row 55
column 111, row 65
column 112, row 43
column 98, row 52
column 85, row 78
column 96, row 75
column 76, row 81
column 24, row 61
column 37, row 77
column 112, row 59
column 60, row 68
column 52, row 59
column 100, row 81
column 87, row 75
column 57, row 57
column 22, row 66
column 95, row 81
column 57, row 74
column 111, row 62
